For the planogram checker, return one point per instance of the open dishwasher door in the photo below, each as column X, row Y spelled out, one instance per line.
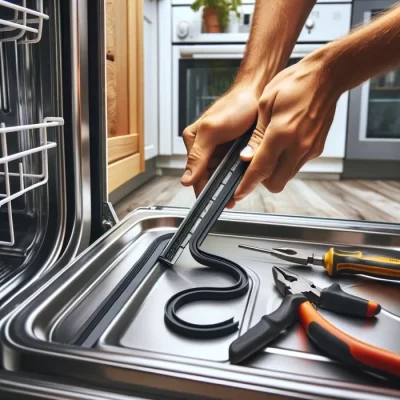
column 101, row 319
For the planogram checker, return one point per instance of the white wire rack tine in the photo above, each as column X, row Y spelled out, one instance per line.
column 15, row 174
column 15, row 19
column 21, row 192
column 8, row 191
column 24, row 9
column 27, row 152
column 19, row 21
column 22, row 33
column 21, row 176
column 23, row 30
column 49, row 122
column 43, row 142
column 40, row 28
column 11, row 25
column 17, row 26
column 5, row 158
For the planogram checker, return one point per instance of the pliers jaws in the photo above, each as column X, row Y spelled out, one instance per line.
column 287, row 282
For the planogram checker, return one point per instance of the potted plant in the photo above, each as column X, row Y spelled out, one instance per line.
column 216, row 13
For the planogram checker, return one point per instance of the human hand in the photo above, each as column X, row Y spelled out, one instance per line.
column 209, row 138
column 295, row 113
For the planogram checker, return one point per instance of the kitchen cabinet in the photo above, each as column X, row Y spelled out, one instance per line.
column 124, row 88
column 150, row 54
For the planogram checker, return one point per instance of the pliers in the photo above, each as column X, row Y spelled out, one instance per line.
column 300, row 295
column 337, row 262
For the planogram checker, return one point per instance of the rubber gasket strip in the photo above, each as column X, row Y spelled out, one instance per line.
column 193, row 231
column 90, row 332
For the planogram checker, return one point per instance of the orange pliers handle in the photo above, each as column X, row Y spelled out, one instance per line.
column 344, row 347
column 334, row 342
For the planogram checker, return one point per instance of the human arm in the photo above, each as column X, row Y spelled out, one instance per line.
column 275, row 28
column 297, row 107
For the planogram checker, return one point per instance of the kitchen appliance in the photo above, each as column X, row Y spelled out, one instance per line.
column 374, row 106
column 64, row 251
column 136, row 351
column 204, row 66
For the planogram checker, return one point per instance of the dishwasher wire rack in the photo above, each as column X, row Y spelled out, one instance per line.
column 23, row 21
column 5, row 159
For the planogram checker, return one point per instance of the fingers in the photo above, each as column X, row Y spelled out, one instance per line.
column 214, row 161
column 200, row 184
column 231, row 204
column 264, row 116
column 284, row 170
column 200, row 149
column 261, row 149
column 263, row 163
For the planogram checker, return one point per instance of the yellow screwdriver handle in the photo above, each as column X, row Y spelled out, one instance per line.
column 353, row 262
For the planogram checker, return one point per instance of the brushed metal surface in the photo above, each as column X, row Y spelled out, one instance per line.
column 25, row 387
column 40, row 215
column 138, row 352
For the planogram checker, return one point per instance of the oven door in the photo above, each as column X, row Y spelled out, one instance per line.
column 201, row 73
column 374, row 112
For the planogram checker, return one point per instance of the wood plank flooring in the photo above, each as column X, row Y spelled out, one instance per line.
column 360, row 200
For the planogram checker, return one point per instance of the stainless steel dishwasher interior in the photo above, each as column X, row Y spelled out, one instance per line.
column 38, row 80
column 138, row 339
column 31, row 91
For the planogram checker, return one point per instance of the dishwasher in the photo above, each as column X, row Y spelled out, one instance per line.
column 83, row 295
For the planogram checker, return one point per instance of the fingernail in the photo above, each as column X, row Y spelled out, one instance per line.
column 187, row 175
column 247, row 151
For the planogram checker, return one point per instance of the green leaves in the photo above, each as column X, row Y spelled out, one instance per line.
column 223, row 8
column 196, row 5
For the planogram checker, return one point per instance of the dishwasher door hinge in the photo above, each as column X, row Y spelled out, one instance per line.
column 110, row 218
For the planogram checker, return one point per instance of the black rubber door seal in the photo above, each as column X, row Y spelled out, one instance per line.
column 90, row 332
column 193, row 231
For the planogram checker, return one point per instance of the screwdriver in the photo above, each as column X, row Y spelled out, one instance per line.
column 338, row 262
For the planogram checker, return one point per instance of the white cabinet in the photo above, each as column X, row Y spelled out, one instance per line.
column 150, row 50
column 336, row 140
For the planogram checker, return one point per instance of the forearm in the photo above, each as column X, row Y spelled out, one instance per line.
column 368, row 51
column 275, row 29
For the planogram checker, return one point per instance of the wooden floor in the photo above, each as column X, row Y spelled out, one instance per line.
column 362, row 200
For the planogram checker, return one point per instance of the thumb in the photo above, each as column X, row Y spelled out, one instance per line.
column 197, row 161
column 264, row 117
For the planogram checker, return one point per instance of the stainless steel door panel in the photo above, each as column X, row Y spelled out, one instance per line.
column 138, row 352
column 25, row 387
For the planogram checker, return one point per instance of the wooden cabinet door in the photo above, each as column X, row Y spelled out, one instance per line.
column 150, row 50
column 125, row 87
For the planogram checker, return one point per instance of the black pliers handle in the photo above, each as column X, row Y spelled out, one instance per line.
column 334, row 342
